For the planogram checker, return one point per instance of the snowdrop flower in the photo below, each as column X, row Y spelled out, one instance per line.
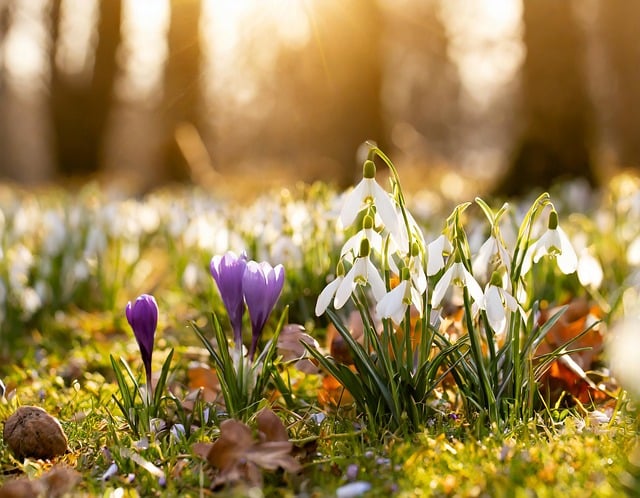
column 368, row 232
column 362, row 272
column 497, row 301
column 394, row 304
column 555, row 243
column 368, row 193
column 143, row 318
column 435, row 254
column 227, row 271
column 460, row 276
column 418, row 277
column 261, row 286
column 328, row 293
column 490, row 251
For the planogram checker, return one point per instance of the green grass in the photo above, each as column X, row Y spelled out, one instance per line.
column 575, row 457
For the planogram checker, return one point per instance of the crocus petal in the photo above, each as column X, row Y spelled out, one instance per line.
column 262, row 285
column 324, row 299
column 143, row 318
column 227, row 271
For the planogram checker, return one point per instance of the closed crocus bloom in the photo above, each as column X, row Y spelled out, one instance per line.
column 262, row 285
column 228, row 271
column 142, row 315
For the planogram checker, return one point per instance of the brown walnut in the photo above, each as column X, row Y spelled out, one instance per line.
column 32, row 433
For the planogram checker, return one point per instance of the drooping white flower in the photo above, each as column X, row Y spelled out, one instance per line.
column 435, row 254
column 490, row 251
column 327, row 294
column 555, row 243
column 458, row 275
column 362, row 272
column 395, row 302
column 368, row 193
column 352, row 245
column 497, row 302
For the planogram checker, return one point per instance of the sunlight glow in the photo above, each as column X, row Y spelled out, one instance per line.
column 145, row 25
column 242, row 36
column 486, row 43
column 76, row 39
column 24, row 46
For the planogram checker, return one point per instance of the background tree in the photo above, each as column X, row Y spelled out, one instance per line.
column 80, row 108
column 182, row 89
column 556, row 114
column 619, row 32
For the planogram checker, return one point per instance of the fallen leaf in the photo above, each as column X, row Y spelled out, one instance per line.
column 291, row 348
column 55, row 483
column 239, row 457
column 333, row 394
column 568, row 374
column 206, row 379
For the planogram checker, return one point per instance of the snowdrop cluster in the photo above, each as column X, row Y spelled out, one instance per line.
column 386, row 241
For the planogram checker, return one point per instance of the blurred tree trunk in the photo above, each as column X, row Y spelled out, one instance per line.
column 619, row 28
column 350, row 43
column 80, row 110
column 182, row 89
column 5, row 22
column 556, row 113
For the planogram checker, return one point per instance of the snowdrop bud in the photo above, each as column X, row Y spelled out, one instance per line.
column 365, row 248
column 369, row 169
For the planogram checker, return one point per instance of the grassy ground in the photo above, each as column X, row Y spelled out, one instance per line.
column 57, row 356
column 569, row 453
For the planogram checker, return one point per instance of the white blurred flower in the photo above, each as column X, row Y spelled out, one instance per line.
column 589, row 270
column 30, row 302
column 458, row 275
column 633, row 252
column 555, row 243
column 623, row 353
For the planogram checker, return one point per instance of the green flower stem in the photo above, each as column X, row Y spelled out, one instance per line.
column 489, row 400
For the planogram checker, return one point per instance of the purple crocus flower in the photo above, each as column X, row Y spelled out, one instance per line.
column 143, row 318
column 227, row 271
column 262, row 285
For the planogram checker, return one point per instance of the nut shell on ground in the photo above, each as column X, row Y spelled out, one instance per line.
column 32, row 433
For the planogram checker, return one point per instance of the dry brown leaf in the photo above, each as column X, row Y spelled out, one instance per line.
column 205, row 379
column 239, row 457
column 55, row 483
column 290, row 347
column 333, row 394
column 567, row 374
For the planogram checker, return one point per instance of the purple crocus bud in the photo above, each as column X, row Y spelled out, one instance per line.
column 227, row 271
column 262, row 285
column 143, row 318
